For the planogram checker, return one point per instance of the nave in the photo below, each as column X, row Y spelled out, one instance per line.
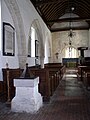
column 69, row 102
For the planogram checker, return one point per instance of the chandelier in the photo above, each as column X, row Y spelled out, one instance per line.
column 71, row 33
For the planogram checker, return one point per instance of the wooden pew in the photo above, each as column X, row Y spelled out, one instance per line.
column 58, row 67
column 49, row 79
column 8, row 76
column 81, row 69
column 79, row 73
column 1, row 91
column 86, row 77
column 84, row 72
column 86, row 80
column 44, row 82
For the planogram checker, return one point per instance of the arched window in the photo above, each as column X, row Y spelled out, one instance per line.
column 35, row 40
column 70, row 52
column 32, row 42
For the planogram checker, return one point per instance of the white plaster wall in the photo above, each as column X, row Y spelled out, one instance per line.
column 28, row 15
column 46, row 53
column 89, row 39
column 31, row 61
column 87, row 53
column 60, row 40
column 47, row 50
column 6, row 17
column 12, row 61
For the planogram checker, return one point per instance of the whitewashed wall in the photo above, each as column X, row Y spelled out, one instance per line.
column 60, row 40
column 12, row 61
column 27, row 15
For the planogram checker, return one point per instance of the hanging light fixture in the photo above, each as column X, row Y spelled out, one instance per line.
column 71, row 33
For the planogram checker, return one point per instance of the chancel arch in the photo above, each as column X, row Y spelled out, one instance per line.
column 67, row 52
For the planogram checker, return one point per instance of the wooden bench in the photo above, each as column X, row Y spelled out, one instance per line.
column 49, row 79
column 84, row 75
column 79, row 73
column 8, row 87
column 2, row 91
column 86, row 80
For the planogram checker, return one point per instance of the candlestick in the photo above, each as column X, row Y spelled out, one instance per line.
column 6, row 65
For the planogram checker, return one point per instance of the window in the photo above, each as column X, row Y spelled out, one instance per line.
column 32, row 42
column 70, row 52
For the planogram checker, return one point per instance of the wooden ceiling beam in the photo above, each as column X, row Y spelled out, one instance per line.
column 55, row 14
column 44, row 2
column 67, row 29
column 74, row 19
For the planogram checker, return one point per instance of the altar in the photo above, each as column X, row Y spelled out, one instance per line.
column 70, row 62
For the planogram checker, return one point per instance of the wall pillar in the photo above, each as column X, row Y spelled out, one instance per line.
column 42, row 62
column 89, row 40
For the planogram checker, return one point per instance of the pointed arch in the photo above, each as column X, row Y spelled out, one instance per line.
column 19, row 27
column 36, row 25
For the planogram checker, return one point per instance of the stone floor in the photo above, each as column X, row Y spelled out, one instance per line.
column 69, row 102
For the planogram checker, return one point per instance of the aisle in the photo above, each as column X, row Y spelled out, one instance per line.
column 70, row 98
column 69, row 102
column 73, row 87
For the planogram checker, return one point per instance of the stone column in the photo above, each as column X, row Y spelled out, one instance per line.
column 89, row 40
column 27, row 98
column 42, row 62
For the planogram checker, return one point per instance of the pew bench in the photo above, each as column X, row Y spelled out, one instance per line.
column 44, row 82
column 8, row 87
column 86, row 80
column 1, row 91
column 49, row 79
column 83, row 75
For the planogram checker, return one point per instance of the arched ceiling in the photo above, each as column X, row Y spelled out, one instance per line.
column 52, row 11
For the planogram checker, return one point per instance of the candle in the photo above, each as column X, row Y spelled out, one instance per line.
column 6, row 62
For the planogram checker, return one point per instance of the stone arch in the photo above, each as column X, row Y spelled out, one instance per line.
column 47, row 42
column 38, row 29
column 61, row 53
column 19, row 27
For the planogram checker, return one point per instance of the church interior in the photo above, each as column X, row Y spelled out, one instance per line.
column 44, row 60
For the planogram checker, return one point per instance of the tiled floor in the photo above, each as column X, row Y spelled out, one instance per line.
column 69, row 102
